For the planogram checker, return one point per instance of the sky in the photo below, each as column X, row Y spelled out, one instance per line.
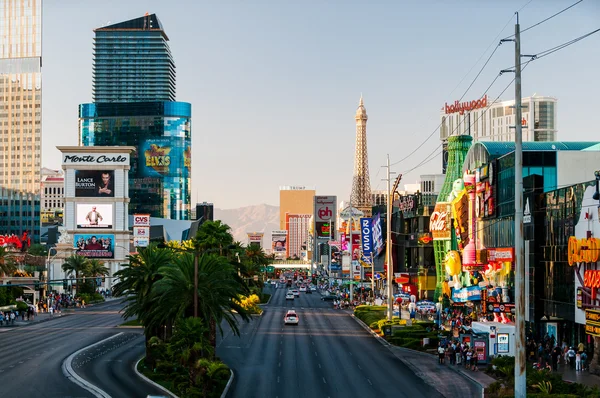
column 274, row 85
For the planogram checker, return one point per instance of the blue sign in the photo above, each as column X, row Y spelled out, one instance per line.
column 377, row 234
column 366, row 239
column 471, row 293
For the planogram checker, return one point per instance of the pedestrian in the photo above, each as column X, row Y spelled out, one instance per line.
column 578, row 362
column 452, row 353
column 555, row 358
column 571, row 355
column 583, row 360
column 441, row 353
column 469, row 359
column 458, row 351
column 580, row 348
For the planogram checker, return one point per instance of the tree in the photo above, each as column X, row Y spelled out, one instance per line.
column 135, row 282
column 76, row 264
column 219, row 287
column 7, row 262
column 188, row 345
column 213, row 235
column 96, row 268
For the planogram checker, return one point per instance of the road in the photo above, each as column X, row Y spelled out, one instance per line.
column 327, row 355
column 31, row 356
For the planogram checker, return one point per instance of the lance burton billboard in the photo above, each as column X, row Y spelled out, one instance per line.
column 94, row 183
column 461, row 107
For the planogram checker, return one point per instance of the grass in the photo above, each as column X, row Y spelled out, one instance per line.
column 143, row 369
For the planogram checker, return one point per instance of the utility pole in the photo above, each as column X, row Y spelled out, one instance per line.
column 390, row 268
column 520, row 361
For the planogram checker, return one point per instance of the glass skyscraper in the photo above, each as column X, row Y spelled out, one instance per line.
column 20, row 116
column 134, row 104
column 133, row 62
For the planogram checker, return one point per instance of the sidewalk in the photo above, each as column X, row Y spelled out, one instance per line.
column 441, row 377
column 582, row 377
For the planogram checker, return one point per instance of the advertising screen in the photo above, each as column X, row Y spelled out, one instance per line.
column 94, row 183
column 94, row 245
column 279, row 243
column 94, row 215
column 168, row 156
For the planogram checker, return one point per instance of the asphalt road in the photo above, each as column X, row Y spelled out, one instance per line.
column 327, row 355
column 31, row 356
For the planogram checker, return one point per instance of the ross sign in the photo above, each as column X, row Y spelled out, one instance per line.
column 471, row 293
column 503, row 343
column 141, row 220
column 94, row 183
column 94, row 215
column 439, row 222
column 377, row 234
column 527, row 212
column 94, row 246
column 585, row 250
column 105, row 160
column 465, row 106
column 366, row 239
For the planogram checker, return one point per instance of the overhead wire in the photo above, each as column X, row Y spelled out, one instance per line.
column 485, row 64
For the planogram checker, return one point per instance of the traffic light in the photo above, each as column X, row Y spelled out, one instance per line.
column 36, row 285
column 65, row 284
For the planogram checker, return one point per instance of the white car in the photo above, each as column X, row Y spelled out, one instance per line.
column 303, row 289
column 289, row 296
column 313, row 288
column 291, row 318
column 296, row 293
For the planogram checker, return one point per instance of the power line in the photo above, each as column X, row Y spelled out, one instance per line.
column 547, row 19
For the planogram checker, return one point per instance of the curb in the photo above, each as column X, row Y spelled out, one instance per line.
column 410, row 365
column 228, row 385
column 70, row 374
column 147, row 380
column 20, row 325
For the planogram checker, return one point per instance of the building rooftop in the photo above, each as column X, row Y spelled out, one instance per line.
column 147, row 22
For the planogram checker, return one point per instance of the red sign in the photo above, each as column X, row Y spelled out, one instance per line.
column 591, row 278
column 439, row 222
column 466, row 106
column 505, row 254
column 141, row 220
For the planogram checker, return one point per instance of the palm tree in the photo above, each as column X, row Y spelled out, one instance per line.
column 96, row 268
column 7, row 262
column 76, row 264
column 136, row 280
column 188, row 345
column 219, row 287
column 213, row 235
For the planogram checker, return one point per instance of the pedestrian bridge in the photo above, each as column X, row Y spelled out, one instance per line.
column 279, row 264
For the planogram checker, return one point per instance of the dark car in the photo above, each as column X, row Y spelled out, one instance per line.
column 308, row 291
column 330, row 298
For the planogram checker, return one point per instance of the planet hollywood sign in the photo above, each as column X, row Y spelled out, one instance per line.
column 465, row 106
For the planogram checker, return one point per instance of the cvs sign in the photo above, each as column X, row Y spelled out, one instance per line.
column 141, row 220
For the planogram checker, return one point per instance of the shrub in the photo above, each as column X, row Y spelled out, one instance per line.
column 91, row 298
column 22, row 306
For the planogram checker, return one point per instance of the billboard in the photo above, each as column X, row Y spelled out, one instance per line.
column 94, row 245
column 165, row 156
column 255, row 238
column 141, row 220
column 94, row 184
column 439, row 222
column 366, row 239
column 92, row 215
column 325, row 215
column 377, row 234
column 279, row 242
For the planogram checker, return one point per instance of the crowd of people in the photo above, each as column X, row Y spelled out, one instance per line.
column 9, row 317
column 457, row 353
column 548, row 354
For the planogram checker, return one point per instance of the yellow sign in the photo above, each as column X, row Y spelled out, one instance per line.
column 584, row 250
column 593, row 330
column 592, row 317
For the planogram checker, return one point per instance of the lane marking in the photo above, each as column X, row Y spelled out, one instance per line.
column 279, row 352
column 279, row 364
column 319, row 366
column 324, row 380
column 316, row 354
column 277, row 379
column 369, row 381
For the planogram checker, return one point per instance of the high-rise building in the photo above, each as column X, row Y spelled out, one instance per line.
column 297, row 226
column 20, row 116
column 486, row 121
column 133, row 62
column 52, row 197
column 360, row 196
column 134, row 93
column 294, row 199
column 205, row 211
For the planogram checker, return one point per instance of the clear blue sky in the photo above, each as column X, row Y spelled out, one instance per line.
column 274, row 85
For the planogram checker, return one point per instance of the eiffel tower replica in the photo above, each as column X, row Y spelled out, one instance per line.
column 360, row 197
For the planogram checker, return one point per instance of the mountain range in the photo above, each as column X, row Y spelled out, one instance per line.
column 259, row 218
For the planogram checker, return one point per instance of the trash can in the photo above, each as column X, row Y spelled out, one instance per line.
column 387, row 330
column 425, row 341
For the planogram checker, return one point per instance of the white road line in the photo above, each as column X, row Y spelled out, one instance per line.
column 350, row 353
column 319, row 366
column 324, row 380
column 279, row 364
column 279, row 352
column 313, row 343
column 359, row 367
column 369, row 382
column 277, row 379
column 316, row 354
